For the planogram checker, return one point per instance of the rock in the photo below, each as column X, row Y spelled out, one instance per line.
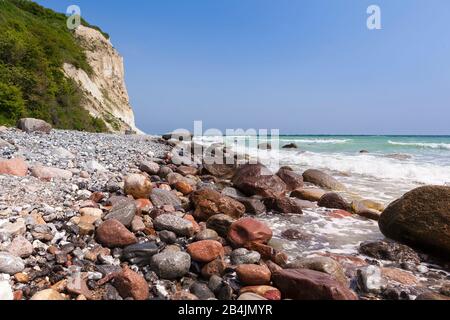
column 140, row 253
column 244, row 256
column 170, row 222
column 431, row 296
column 160, row 197
column 339, row 214
column 94, row 166
column 6, row 293
column 321, row 264
column 359, row 208
column 184, row 187
column 292, row 180
column 11, row 229
column 255, row 179
column 248, row 230
column 10, row 264
column 47, row 295
column 268, row 292
column 250, row 296
column 400, row 276
column 138, row 186
column 205, row 251
column 201, row 291
column 206, row 234
column 164, row 171
column 220, row 223
column 293, row 234
column 388, row 250
column 124, row 212
column 20, row 247
column 253, row 275
column 285, row 205
column 183, row 296
column 137, row 225
column 213, row 268
column 171, row 265
column 130, row 284
column 308, row 194
column 112, row 233
column 34, row 125
column 63, row 153
column 333, row 201
column 420, row 218
column 76, row 285
column 265, row 146
column 323, row 180
column 252, row 205
column 222, row 171
column 209, row 202
column 168, row 237
column 92, row 212
column 304, row 284
column 14, row 167
column 370, row 279
column 290, row 146
column 150, row 167
column 187, row 171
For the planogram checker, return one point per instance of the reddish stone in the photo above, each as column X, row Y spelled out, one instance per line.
column 143, row 205
column 130, row 284
column 215, row 267
column 187, row 171
column 253, row 275
column 304, row 284
column 267, row 292
column 400, row 276
column 112, row 233
column 184, row 187
column 14, row 167
column 339, row 214
column 248, row 230
column 97, row 196
column 209, row 202
column 205, row 251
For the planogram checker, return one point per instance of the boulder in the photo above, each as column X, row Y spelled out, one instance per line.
column 209, row 202
column 171, row 264
column 333, row 201
column 112, row 233
column 285, row 205
column 290, row 146
column 256, row 179
column 160, row 197
column 205, row 251
column 14, row 167
column 247, row 230
column 292, row 180
column 170, row 222
column 308, row 194
column 48, row 173
column 253, row 275
column 389, row 250
column 220, row 223
column 304, row 284
column 130, row 284
column 421, row 218
column 34, row 125
column 138, row 186
column 322, row 179
column 321, row 264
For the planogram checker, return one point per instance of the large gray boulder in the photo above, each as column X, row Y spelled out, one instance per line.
column 322, row 179
column 34, row 125
column 421, row 218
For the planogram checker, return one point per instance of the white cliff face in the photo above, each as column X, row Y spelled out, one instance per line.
column 105, row 92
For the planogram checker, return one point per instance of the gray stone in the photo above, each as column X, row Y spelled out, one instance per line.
column 170, row 264
column 11, row 229
column 161, row 197
column 244, row 256
column 220, row 223
column 10, row 264
column 206, row 234
column 34, row 125
column 124, row 212
column 149, row 167
column 170, row 222
column 202, row 291
column 140, row 253
column 20, row 247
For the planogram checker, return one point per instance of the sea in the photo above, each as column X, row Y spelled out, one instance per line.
column 380, row 168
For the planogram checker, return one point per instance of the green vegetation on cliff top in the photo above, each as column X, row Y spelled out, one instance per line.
column 34, row 44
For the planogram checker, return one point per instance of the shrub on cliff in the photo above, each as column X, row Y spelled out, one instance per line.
column 34, row 44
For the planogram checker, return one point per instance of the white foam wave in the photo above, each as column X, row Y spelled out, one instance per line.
column 322, row 141
column 444, row 146
column 380, row 168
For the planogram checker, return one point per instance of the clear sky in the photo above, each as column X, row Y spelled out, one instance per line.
column 301, row 66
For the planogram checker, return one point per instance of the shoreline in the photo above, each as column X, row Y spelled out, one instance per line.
column 55, row 214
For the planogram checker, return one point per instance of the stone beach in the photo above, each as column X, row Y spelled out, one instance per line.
column 87, row 216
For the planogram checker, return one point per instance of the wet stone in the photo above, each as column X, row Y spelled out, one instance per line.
column 140, row 253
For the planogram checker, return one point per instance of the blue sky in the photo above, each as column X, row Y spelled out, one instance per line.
column 308, row 67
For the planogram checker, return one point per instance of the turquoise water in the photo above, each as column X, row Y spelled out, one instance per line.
column 391, row 166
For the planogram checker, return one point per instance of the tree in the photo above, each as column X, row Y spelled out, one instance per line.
column 12, row 105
